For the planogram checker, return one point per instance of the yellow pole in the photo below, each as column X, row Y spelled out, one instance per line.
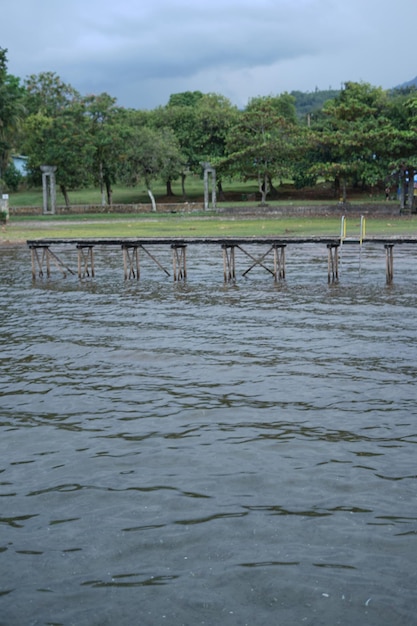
column 343, row 228
column 342, row 236
column 361, row 238
column 363, row 229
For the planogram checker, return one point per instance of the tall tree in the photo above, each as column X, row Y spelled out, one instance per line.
column 215, row 116
column 57, row 132
column 181, row 119
column 185, row 98
column 352, row 137
column 11, row 112
column 402, row 146
column 150, row 154
column 62, row 141
column 263, row 143
column 46, row 93
column 201, row 123
column 105, row 129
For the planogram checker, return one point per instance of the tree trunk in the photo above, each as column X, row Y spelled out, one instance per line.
column 109, row 192
column 410, row 196
column 273, row 190
column 103, row 196
column 263, row 187
column 152, row 197
column 169, row 188
column 66, row 197
column 220, row 192
column 336, row 187
column 402, row 190
column 344, row 192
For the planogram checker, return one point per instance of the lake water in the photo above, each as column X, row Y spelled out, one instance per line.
column 204, row 453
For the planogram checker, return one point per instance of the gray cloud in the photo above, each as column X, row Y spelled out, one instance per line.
column 142, row 54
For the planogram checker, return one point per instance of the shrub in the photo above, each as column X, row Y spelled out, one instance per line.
column 12, row 177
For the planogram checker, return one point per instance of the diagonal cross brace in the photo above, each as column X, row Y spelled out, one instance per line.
column 257, row 261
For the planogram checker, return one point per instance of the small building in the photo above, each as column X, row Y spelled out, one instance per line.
column 20, row 163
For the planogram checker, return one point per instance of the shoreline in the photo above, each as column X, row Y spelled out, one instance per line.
column 383, row 219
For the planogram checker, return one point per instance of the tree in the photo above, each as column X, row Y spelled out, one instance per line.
column 56, row 132
column 352, row 137
column 105, row 129
column 11, row 111
column 46, row 93
column 185, row 99
column 150, row 154
column 403, row 144
column 201, row 123
column 263, row 143
column 181, row 119
column 62, row 141
column 215, row 116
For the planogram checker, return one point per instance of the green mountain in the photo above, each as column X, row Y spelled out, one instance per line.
column 309, row 102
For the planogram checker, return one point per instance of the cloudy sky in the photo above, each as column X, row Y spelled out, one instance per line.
column 141, row 51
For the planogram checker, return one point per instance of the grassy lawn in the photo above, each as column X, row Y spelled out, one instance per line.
column 20, row 229
column 235, row 192
column 133, row 195
column 196, row 224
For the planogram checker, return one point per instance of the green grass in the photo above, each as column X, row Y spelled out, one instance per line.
column 235, row 192
column 131, row 195
column 197, row 223
column 184, row 225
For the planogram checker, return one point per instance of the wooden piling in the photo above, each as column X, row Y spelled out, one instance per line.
column 179, row 261
column 38, row 261
column 229, row 266
column 333, row 263
column 85, row 260
column 33, row 259
column 389, row 256
column 46, row 258
column 131, row 261
column 279, row 262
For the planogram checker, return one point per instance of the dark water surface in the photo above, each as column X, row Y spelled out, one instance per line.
column 209, row 454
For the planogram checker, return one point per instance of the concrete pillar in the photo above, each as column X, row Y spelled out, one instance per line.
column 208, row 169
column 49, row 189
column 4, row 207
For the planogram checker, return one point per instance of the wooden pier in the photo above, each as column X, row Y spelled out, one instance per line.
column 43, row 257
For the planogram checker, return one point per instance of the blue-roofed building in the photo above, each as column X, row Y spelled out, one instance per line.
column 20, row 163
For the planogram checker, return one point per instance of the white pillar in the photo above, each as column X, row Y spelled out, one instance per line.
column 48, row 188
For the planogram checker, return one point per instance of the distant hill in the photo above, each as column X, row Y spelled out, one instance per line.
column 311, row 101
column 308, row 102
column 408, row 84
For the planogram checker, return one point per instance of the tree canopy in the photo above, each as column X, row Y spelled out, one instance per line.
column 11, row 112
column 360, row 135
